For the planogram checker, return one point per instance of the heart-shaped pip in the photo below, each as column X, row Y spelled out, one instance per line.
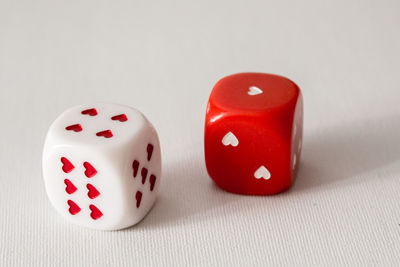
column 75, row 128
column 96, row 213
column 70, row 187
column 138, row 198
column 90, row 170
column 230, row 139
column 73, row 207
column 67, row 165
column 121, row 118
column 90, row 112
column 254, row 90
column 92, row 191
column 262, row 172
column 106, row 134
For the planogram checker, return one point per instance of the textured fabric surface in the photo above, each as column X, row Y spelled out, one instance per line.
column 163, row 58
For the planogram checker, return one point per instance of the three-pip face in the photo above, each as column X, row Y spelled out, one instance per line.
column 102, row 165
column 253, row 133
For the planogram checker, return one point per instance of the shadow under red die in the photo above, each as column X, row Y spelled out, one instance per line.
column 248, row 133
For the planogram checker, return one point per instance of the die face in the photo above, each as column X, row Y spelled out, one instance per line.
column 297, row 136
column 99, row 125
column 91, row 182
column 248, row 147
column 254, row 92
column 142, row 171
column 256, row 164
column 84, row 187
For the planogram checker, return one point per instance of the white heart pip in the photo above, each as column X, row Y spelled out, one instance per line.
column 262, row 172
column 254, row 90
column 230, row 139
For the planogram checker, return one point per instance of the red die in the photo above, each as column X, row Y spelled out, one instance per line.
column 253, row 133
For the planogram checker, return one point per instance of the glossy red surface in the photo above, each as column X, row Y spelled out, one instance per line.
column 248, row 133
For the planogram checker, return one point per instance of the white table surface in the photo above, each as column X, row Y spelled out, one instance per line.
column 164, row 58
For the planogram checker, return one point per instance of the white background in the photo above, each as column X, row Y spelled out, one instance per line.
column 164, row 58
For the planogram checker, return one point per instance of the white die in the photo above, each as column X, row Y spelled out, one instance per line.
column 102, row 165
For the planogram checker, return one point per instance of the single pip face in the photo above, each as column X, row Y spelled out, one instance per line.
column 102, row 165
column 253, row 133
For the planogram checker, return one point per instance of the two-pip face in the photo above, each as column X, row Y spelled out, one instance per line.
column 253, row 133
column 102, row 165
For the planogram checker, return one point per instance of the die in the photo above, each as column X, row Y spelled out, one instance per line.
column 253, row 133
column 102, row 165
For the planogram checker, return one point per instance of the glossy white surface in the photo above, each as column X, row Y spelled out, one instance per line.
column 163, row 58
column 111, row 157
